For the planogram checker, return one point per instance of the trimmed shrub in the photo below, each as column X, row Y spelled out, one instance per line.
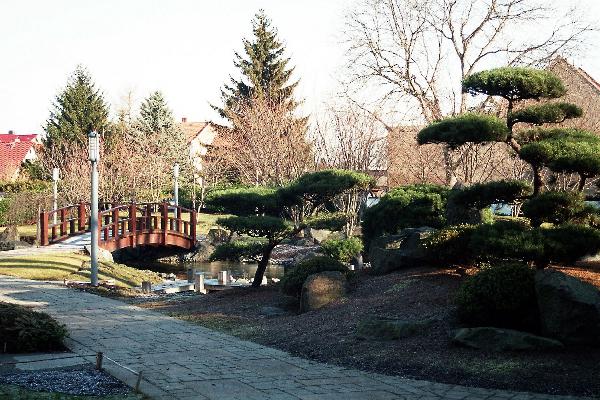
column 507, row 240
column 25, row 330
column 483, row 195
column 342, row 249
column 502, row 296
column 569, row 243
column 465, row 128
column 4, row 207
column 292, row 281
column 451, row 245
column 405, row 207
column 556, row 208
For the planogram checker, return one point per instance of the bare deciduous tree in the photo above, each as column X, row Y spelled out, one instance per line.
column 267, row 146
column 347, row 137
column 416, row 52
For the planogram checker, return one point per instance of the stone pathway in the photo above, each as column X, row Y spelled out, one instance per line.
column 74, row 243
column 180, row 360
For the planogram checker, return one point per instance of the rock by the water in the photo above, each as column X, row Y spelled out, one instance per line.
column 10, row 235
column 103, row 255
column 6, row 246
column 217, row 236
column 569, row 308
column 318, row 235
column 496, row 339
column 378, row 328
column 404, row 250
column 306, row 254
column 321, row 289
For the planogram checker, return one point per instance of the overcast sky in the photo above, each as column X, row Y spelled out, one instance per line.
column 182, row 47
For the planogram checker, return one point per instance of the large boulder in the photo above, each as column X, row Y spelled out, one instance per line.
column 321, row 289
column 318, row 235
column 404, row 250
column 10, row 235
column 496, row 339
column 103, row 255
column 569, row 308
column 217, row 236
column 379, row 328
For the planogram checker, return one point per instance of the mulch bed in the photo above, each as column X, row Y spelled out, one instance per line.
column 328, row 334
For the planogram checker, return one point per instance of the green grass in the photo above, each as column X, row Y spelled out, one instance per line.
column 72, row 266
column 15, row 392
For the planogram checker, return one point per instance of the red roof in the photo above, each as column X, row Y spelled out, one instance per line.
column 11, row 157
column 11, row 137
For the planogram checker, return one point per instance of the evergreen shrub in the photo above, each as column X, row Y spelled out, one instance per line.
column 24, row 330
column 342, row 249
column 501, row 295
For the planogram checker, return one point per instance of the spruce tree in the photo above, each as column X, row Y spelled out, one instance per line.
column 155, row 115
column 78, row 109
column 265, row 71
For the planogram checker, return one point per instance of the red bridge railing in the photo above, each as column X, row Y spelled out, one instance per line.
column 123, row 225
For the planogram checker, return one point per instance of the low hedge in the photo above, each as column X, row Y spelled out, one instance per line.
column 24, row 330
column 292, row 281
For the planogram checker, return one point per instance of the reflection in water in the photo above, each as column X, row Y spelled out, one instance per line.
column 212, row 269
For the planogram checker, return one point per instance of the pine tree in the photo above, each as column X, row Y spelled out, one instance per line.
column 155, row 115
column 159, row 143
column 264, row 69
column 78, row 109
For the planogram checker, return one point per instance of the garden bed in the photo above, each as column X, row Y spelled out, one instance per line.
column 328, row 335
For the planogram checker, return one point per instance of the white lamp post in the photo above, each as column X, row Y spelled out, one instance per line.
column 94, row 157
column 176, row 183
column 55, row 177
column 176, row 192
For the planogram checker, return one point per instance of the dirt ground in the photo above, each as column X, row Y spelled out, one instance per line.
column 328, row 335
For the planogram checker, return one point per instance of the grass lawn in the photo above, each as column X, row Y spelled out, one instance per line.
column 16, row 392
column 72, row 266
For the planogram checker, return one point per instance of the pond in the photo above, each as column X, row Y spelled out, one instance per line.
column 212, row 269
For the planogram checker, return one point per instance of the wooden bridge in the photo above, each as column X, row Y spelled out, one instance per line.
column 123, row 225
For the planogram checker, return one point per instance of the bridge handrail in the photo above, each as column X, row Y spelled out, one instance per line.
column 74, row 220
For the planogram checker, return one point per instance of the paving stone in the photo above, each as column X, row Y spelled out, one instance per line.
column 180, row 360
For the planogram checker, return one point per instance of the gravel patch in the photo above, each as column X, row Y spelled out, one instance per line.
column 87, row 382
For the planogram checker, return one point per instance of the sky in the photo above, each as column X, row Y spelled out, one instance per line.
column 184, row 48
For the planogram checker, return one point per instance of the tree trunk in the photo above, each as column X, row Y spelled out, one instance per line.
column 537, row 180
column 449, row 167
column 581, row 185
column 262, row 265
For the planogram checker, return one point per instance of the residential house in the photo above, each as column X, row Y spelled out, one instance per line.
column 14, row 151
column 200, row 136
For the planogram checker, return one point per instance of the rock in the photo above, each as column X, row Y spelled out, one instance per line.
column 6, row 246
column 318, row 235
column 321, row 289
column 306, row 255
column 496, row 339
column 569, row 308
column 217, row 236
column 404, row 250
column 270, row 312
column 10, row 235
column 378, row 328
column 103, row 255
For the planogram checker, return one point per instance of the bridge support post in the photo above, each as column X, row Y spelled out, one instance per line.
column 44, row 229
column 193, row 225
column 164, row 212
column 133, row 224
column 81, row 216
